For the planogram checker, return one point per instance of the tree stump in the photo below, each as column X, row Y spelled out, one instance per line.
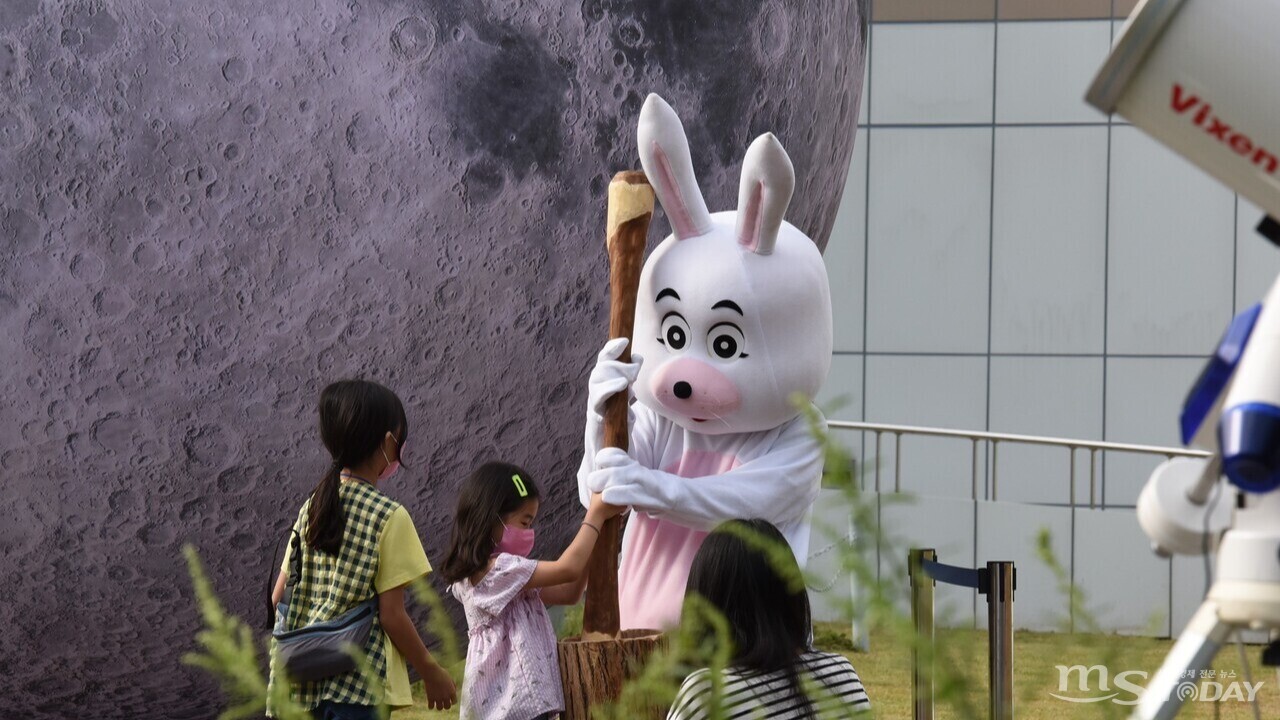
column 595, row 670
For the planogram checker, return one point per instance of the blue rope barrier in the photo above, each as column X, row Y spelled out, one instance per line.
column 953, row 575
column 977, row 578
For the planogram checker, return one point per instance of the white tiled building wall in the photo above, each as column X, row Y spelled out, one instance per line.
column 1007, row 258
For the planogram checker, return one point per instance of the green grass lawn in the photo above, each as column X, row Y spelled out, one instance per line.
column 886, row 672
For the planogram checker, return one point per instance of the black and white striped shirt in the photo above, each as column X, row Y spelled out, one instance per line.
column 838, row 692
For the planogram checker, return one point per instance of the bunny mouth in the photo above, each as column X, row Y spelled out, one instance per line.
column 698, row 419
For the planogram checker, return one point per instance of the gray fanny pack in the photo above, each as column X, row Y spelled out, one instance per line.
column 324, row 649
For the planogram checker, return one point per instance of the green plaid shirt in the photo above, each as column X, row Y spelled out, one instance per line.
column 333, row 584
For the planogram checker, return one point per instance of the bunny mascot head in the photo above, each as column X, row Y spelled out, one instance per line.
column 733, row 315
column 733, row 321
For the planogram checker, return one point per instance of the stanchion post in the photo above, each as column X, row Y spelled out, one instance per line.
column 922, row 618
column 999, row 591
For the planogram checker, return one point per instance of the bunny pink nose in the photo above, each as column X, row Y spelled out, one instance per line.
column 695, row 390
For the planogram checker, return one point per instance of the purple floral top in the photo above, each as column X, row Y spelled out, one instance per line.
column 512, row 671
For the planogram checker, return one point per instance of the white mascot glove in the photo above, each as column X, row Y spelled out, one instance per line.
column 626, row 482
column 608, row 378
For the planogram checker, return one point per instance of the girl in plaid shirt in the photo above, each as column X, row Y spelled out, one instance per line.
column 355, row 543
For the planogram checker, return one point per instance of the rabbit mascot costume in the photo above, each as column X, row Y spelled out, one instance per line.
column 733, row 319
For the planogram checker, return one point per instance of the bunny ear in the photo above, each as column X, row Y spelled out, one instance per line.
column 664, row 153
column 768, row 179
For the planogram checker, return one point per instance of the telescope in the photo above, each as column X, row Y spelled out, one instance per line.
column 1196, row 75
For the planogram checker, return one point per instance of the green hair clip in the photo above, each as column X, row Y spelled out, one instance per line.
column 520, row 488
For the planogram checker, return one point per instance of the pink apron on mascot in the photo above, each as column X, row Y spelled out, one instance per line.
column 733, row 320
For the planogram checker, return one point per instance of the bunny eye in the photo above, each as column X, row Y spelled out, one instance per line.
column 675, row 331
column 725, row 341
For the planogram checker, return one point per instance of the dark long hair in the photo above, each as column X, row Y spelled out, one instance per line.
column 355, row 417
column 746, row 570
column 489, row 493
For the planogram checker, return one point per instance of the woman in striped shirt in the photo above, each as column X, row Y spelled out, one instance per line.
column 745, row 571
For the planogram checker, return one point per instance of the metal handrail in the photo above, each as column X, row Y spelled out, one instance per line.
column 1026, row 439
column 994, row 439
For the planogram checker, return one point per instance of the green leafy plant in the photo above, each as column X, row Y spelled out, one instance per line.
column 571, row 623
column 228, row 650
column 449, row 652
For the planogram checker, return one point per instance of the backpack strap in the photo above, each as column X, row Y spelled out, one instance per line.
column 295, row 574
column 271, row 587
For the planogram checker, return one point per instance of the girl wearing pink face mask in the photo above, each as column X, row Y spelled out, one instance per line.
column 512, row 672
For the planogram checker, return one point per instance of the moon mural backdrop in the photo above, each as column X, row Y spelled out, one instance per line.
column 210, row 210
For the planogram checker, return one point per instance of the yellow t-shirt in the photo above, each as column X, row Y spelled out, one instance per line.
column 401, row 560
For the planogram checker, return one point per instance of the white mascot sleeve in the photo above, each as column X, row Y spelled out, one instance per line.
column 779, row 485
